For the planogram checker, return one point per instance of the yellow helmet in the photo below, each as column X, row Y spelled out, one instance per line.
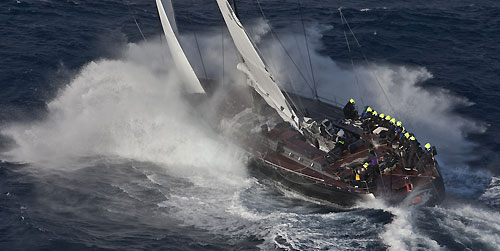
column 369, row 109
column 381, row 115
column 393, row 120
column 398, row 123
column 365, row 165
column 412, row 138
column 351, row 101
column 388, row 117
column 428, row 146
column 374, row 113
column 407, row 135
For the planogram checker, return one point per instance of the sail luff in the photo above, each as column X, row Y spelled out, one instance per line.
column 187, row 74
column 169, row 9
column 255, row 68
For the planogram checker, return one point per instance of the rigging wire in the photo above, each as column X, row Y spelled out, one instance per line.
column 270, row 63
column 262, row 58
column 308, row 52
column 198, row 44
column 135, row 20
column 275, row 36
column 163, row 54
column 366, row 61
column 223, row 53
column 302, row 59
column 352, row 64
column 201, row 56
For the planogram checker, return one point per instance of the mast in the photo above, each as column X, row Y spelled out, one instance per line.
column 254, row 67
column 235, row 8
column 187, row 74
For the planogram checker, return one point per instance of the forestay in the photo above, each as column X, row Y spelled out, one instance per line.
column 187, row 74
column 254, row 67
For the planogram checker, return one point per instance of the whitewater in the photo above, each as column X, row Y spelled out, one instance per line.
column 122, row 160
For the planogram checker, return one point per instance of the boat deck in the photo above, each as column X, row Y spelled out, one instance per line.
column 298, row 155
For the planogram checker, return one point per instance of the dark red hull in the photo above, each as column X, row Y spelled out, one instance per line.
column 303, row 168
column 285, row 155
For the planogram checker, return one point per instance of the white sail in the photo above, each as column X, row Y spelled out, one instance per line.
column 169, row 9
column 255, row 68
column 185, row 70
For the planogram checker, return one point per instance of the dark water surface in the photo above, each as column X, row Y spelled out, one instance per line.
column 99, row 152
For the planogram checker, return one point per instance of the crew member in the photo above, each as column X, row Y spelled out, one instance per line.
column 389, row 160
column 365, row 168
column 386, row 123
column 392, row 124
column 350, row 111
column 339, row 147
column 427, row 147
column 429, row 151
column 359, row 174
column 399, row 128
column 379, row 119
column 373, row 120
column 405, row 141
column 366, row 165
column 426, row 158
column 340, row 140
column 371, row 170
column 367, row 113
column 367, row 121
column 401, row 134
column 404, row 144
column 393, row 132
column 412, row 153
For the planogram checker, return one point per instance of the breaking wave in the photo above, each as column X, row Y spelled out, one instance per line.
column 130, row 108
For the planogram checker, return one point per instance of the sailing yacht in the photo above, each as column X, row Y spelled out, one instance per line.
column 304, row 152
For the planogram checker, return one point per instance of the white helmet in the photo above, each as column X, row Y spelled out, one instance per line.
column 340, row 133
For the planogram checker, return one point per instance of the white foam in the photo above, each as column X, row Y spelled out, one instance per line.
column 471, row 225
column 131, row 108
column 402, row 233
column 492, row 194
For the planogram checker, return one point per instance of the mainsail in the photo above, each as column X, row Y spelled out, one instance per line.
column 185, row 70
column 255, row 68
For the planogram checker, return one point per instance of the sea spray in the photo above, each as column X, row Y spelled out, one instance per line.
column 401, row 233
column 132, row 108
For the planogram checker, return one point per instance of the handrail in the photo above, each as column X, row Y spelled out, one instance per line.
column 288, row 170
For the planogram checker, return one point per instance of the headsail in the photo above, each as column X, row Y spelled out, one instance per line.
column 169, row 9
column 188, row 75
column 255, row 68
